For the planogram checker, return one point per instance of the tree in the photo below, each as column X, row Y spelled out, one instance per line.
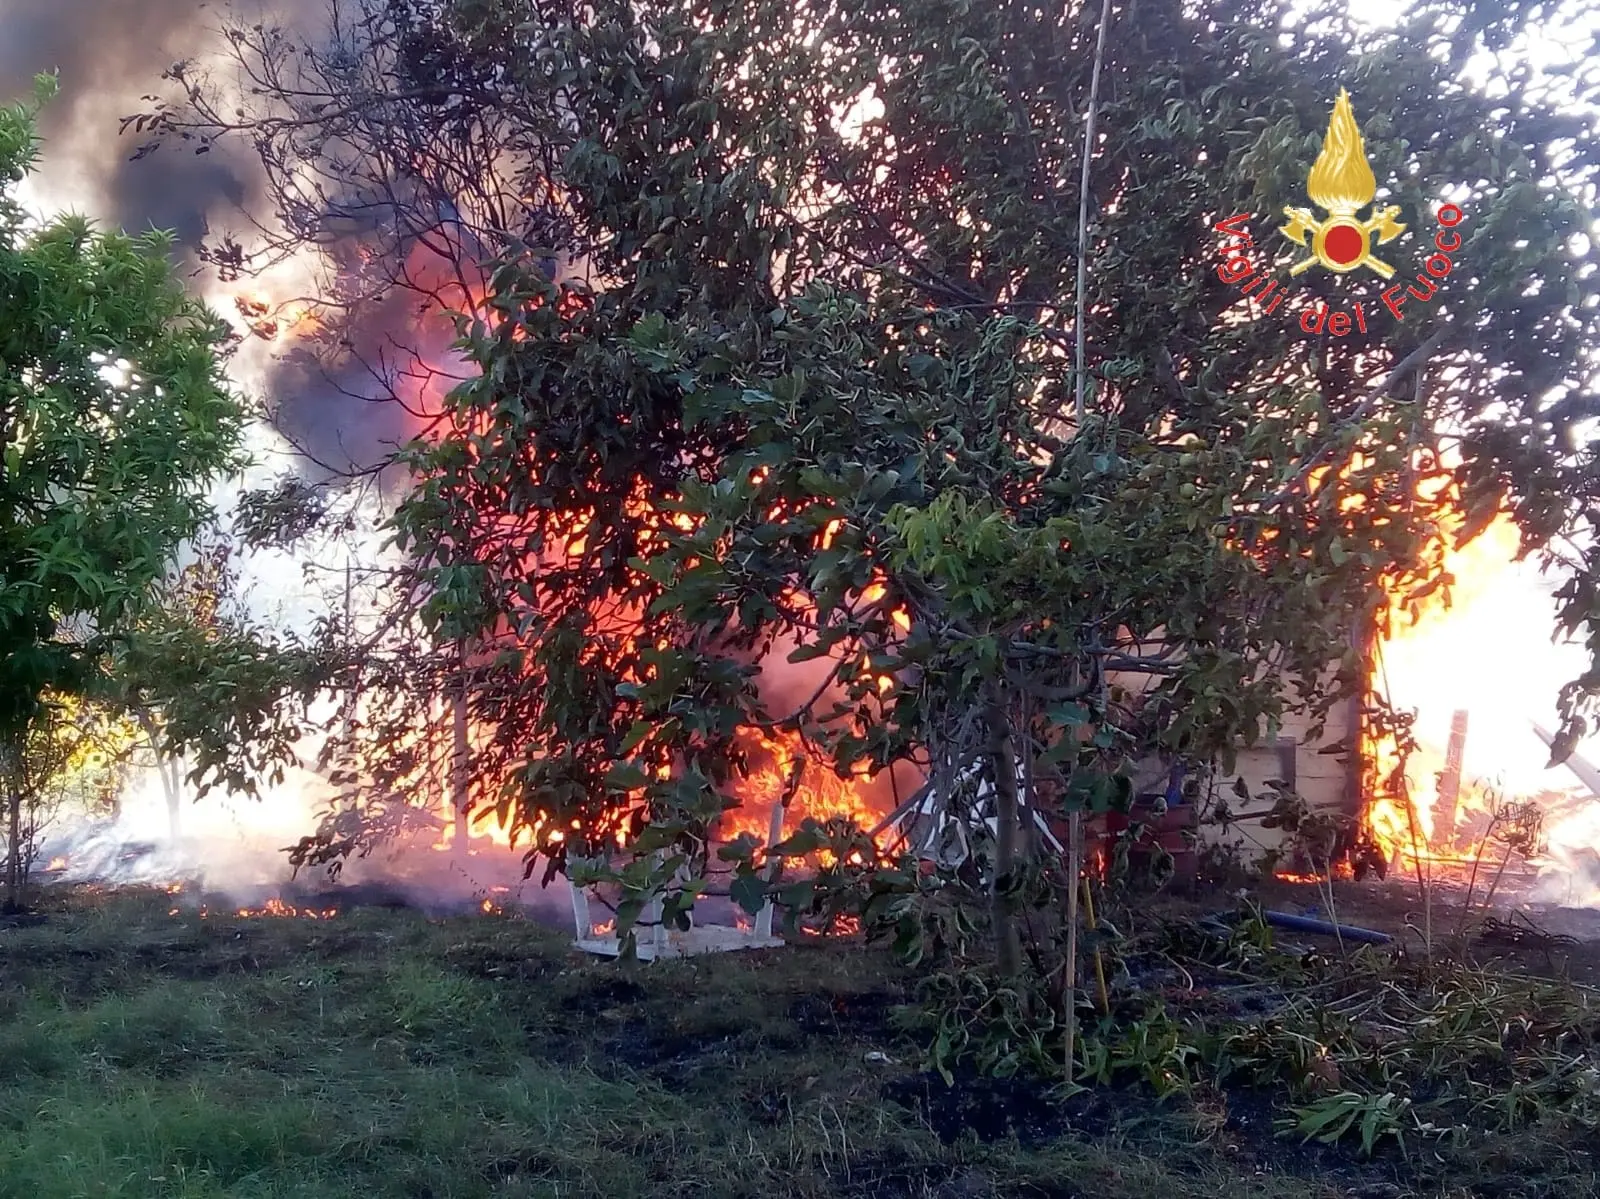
column 75, row 758
column 819, row 393
column 114, row 417
column 392, row 150
column 841, row 359
column 188, row 618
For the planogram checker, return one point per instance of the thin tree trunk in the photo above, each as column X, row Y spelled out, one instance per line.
column 1003, row 757
column 167, row 767
column 1074, row 872
column 171, row 780
column 11, row 781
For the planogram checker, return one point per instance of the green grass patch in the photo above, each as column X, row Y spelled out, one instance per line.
column 384, row 1054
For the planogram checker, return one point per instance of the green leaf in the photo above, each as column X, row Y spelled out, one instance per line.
column 741, row 849
column 809, row 653
column 626, row 776
column 654, row 837
column 640, row 730
column 749, row 892
column 1069, row 715
column 807, row 840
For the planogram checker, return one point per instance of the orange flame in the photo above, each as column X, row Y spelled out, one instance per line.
column 820, row 795
column 268, row 320
column 276, row 907
column 1399, row 816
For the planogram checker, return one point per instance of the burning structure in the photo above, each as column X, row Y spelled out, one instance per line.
column 1417, row 808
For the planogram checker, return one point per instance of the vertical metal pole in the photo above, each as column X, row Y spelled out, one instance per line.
column 1083, row 214
column 458, row 759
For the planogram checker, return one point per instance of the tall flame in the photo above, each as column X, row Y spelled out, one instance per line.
column 1401, row 817
column 1342, row 181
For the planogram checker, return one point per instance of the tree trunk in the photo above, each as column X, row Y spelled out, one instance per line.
column 168, row 768
column 1003, row 761
column 171, row 780
column 1074, row 872
column 12, row 783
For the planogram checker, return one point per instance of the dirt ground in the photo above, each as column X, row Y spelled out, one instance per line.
column 1544, row 939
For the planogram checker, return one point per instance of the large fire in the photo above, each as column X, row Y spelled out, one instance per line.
column 782, row 763
column 789, row 782
column 1425, row 814
column 784, row 774
column 1421, row 812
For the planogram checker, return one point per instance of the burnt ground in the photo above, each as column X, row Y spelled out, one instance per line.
column 1542, row 939
column 389, row 1053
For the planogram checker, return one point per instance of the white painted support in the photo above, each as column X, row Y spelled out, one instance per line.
column 774, row 835
column 927, row 823
column 701, row 939
column 580, row 912
column 650, row 918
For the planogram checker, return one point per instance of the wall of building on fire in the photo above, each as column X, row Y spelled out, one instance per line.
column 1323, row 771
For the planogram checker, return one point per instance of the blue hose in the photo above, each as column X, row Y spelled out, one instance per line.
column 1304, row 924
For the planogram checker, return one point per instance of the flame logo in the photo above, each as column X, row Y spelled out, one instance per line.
column 1342, row 182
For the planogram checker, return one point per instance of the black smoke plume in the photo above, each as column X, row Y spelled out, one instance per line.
column 158, row 124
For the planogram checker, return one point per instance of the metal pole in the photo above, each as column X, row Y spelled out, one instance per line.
column 458, row 759
column 1083, row 213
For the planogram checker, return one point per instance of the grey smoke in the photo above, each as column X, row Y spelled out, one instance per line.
column 108, row 55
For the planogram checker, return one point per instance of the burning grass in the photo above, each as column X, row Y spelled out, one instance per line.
column 384, row 1053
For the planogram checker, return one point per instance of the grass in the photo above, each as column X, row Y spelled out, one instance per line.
column 385, row 1054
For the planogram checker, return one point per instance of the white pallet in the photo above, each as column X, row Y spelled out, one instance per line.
column 655, row 941
column 702, row 938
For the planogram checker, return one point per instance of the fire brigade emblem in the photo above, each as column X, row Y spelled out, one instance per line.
column 1341, row 182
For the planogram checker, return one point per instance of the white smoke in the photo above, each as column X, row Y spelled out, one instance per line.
column 1570, row 874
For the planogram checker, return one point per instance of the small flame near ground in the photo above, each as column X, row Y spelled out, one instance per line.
column 276, row 907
